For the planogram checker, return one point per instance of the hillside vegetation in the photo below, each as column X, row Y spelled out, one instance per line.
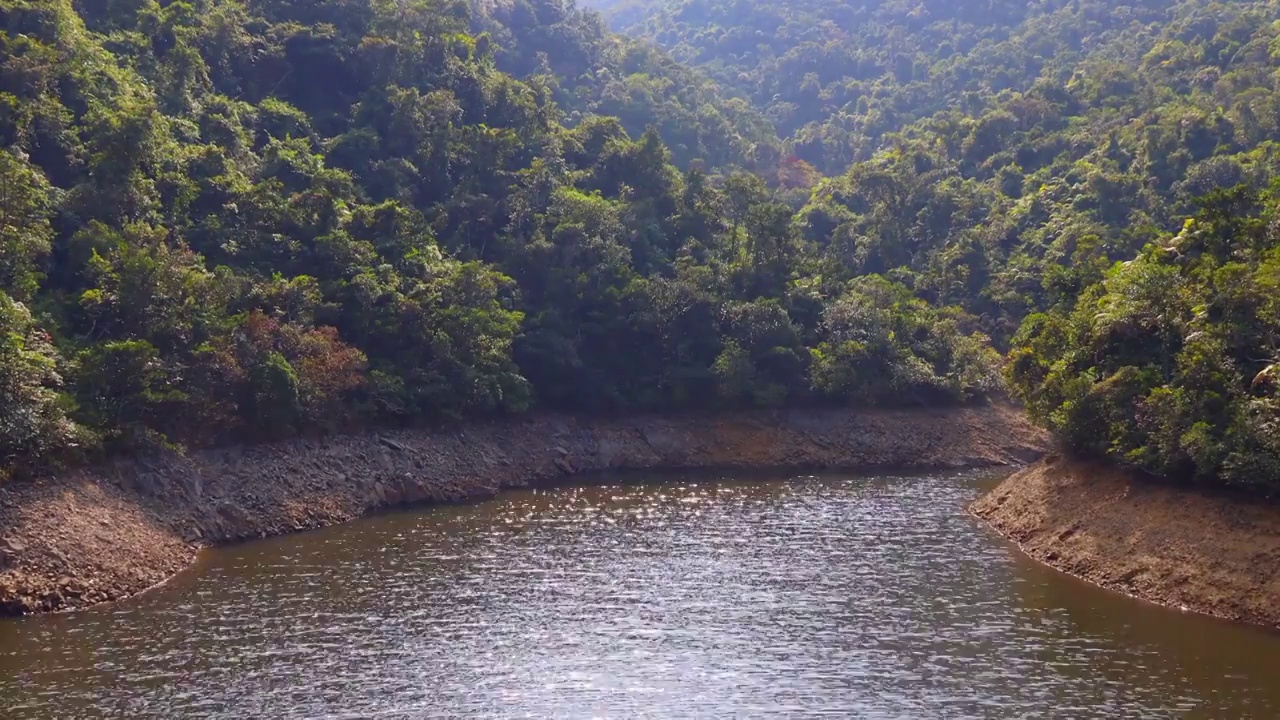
column 1171, row 364
column 230, row 220
column 1003, row 155
column 227, row 221
column 998, row 154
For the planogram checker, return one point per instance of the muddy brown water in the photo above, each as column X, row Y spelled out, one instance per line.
column 832, row 596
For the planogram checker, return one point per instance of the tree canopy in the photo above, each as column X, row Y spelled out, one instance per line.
column 227, row 221
column 1170, row 364
column 1035, row 163
column 236, row 220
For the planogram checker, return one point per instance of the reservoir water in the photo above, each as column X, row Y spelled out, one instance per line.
column 833, row 596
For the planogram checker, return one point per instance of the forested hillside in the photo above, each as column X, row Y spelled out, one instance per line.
column 230, row 220
column 589, row 71
column 840, row 77
column 994, row 154
column 1001, row 156
column 1171, row 364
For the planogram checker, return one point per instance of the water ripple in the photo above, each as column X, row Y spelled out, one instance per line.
column 822, row 597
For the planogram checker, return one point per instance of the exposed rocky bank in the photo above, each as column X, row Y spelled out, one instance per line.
column 1209, row 553
column 105, row 533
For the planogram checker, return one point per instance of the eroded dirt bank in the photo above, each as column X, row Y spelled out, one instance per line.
column 1207, row 553
column 103, row 534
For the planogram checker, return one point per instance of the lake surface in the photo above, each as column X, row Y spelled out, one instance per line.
column 834, row 596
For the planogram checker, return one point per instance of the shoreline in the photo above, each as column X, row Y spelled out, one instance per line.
column 106, row 533
column 1187, row 549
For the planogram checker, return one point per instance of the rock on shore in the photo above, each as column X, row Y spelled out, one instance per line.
column 104, row 533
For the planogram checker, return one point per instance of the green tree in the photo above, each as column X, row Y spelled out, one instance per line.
column 34, row 427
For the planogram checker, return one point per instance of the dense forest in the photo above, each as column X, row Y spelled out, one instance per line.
column 1002, row 156
column 231, row 220
column 1171, row 364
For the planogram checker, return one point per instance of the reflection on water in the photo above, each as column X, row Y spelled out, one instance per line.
column 836, row 596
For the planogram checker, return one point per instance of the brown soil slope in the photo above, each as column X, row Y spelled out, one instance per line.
column 1208, row 553
column 103, row 534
